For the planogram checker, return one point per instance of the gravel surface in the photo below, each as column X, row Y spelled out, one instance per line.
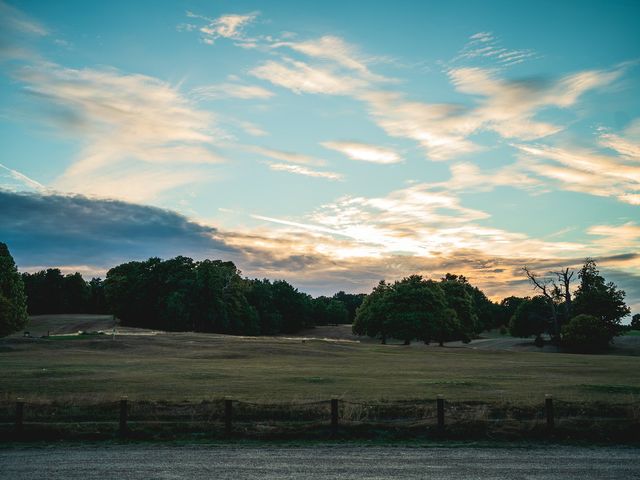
column 127, row 462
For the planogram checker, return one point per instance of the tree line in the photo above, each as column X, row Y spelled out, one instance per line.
column 181, row 294
column 415, row 308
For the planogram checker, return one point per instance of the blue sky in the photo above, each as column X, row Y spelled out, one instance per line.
column 331, row 144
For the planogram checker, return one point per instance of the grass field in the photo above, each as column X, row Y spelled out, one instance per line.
column 188, row 366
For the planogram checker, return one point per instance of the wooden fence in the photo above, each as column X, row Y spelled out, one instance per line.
column 232, row 418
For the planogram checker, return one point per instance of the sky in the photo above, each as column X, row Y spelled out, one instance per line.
column 333, row 144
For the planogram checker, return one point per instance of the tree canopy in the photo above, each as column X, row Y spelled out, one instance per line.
column 597, row 306
column 408, row 309
column 13, row 305
column 601, row 300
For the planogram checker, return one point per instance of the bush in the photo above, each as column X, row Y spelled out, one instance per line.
column 585, row 334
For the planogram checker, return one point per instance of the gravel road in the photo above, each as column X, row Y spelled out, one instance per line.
column 127, row 462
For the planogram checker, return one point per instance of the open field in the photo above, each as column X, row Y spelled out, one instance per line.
column 188, row 366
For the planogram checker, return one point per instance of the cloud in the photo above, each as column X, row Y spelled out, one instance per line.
column 623, row 237
column 231, row 90
column 300, row 170
column 508, row 107
column 301, row 77
column 92, row 235
column 13, row 180
column 127, row 122
column 364, row 152
column 71, row 230
column 416, row 221
column 485, row 46
column 468, row 177
column 335, row 49
column 284, row 156
column 441, row 129
column 583, row 170
column 13, row 19
column 226, row 26
column 626, row 144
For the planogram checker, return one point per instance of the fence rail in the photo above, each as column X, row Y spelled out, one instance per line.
column 234, row 417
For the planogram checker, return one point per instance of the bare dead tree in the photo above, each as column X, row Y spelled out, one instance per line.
column 548, row 290
column 564, row 278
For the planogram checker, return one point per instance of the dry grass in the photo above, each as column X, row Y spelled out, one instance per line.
column 194, row 367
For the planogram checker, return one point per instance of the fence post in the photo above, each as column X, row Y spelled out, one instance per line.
column 334, row 416
column 548, row 406
column 19, row 415
column 228, row 416
column 123, row 416
column 440, row 405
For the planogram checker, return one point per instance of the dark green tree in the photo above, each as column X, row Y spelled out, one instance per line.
column 372, row 317
column 459, row 295
column 412, row 308
column 531, row 318
column 351, row 301
column 635, row 322
column 508, row 307
column 13, row 301
column 328, row 311
column 602, row 300
column 585, row 334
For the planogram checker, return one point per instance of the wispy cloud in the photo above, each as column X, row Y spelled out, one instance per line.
column 583, row 170
column 364, row 151
column 230, row 26
column 13, row 180
column 625, row 237
column 337, row 50
column 231, row 90
column 301, row 77
column 308, row 172
column 508, row 107
column 627, row 144
column 122, row 119
column 284, row 156
column 441, row 129
column 14, row 19
column 485, row 45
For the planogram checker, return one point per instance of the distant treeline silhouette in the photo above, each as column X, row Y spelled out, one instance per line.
column 181, row 294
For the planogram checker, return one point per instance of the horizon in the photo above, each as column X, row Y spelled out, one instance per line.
column 328, row 150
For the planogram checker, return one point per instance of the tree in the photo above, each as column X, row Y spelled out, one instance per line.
column 351, row 302
column 458, row 294
column 530, row 318
column 602, row 300
column 635, row 322
column 13, row 301
column 412, row 308
column 507, row 308
column 585, row 334
column 328, row 311
column 563, row 290
column 549, row 291
column 372, row 316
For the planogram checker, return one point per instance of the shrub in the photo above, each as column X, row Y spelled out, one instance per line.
column 585, row 334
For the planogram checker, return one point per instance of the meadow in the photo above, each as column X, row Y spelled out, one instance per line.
column 194, row 367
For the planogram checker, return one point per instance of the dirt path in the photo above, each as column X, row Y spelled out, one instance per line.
column 132, row 462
